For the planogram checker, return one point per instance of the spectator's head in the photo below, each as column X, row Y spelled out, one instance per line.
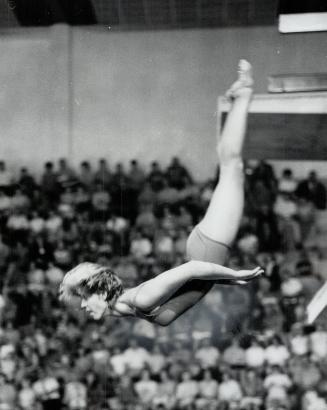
column 304, row 268
column 85, row 166
column 97, row 287
column 312, row 176
column 48, row 166
column 62, row 164
column 287, row 173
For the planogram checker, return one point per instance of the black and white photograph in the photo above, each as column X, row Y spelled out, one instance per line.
column 163, row 205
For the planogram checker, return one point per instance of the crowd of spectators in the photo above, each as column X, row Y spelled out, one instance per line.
column 242, row 347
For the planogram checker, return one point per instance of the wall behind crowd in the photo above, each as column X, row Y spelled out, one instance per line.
column 132, row 94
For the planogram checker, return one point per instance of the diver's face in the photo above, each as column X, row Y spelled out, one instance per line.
column 95, row 305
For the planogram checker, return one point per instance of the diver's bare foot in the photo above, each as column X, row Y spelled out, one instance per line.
column 243, row 85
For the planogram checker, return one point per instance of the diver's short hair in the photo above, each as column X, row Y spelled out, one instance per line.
column 92, row 278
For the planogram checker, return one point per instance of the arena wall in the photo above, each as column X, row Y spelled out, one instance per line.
column 119, row 95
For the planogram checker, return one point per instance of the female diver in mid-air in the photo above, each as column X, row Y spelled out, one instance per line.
column 164, row 298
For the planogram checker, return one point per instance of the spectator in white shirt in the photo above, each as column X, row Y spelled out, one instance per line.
column 75, row 394
column 146, row 388
column 207, row 354
column 276, row 353
column 318, row 343
column 255, row 355
column 26, row 396
column 229, row 389
column 186, row 391
column 136, row 357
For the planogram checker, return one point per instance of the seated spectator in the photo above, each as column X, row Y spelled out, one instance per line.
column 26, row 395
column 253, row 390
column 186, row 391
column 147, row 196
column 310, row 283
column 299, row 342
column 62, row 256
column 82, row 199
column 306, row 217
column 163, row 245
column 183, row 219
column 313, row 190
column 140, row 246
column 20, row 201
column 146, row 220
column 53, row 223
column 311, row 401
column 156, row 177
column 18, row 224
column 100, row 201
column 102, row 174
column 229, row 389
column 276, row 353
column 276, row 377
column 5, row 203
column 47, row 390
column 136, row 176
column 234, row 355
column 285, row 206
column 86, row 176
column 157, row 360
column 75, row 393
column 255, row 355
column 65, row 175
column 168, row 195
column 207, row 354
column 177, row 174
column 166, row 392
column 118, row 361
column 26, row 182
column 208, row 391
column 8, row 394
column 308, row 375
column 287, row 183
column 146, row 389
column 49, row 184
column 180, row 353
column 67, row 197
column 318, row 343
column 125, row 393
column 117, row 224
column 6, row 178
column 36, row 223
column 127, row 271
column 136, row 357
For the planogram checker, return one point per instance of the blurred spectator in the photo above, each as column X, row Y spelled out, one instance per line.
column 102, row 174
column 75, row 394
column 86, row 176
column 313, row 190
column 176, row 174
column 276, row 353
column 156, row 177
column 136, row 357
column 65, row 175
column 229, row 389
column 6, row 178
column 255, row 355
column 207, row 354
column 8, row 394
column 26, row 396
column 49, row 184
column 146, row 389
column 186, row 391
column 166, row 391
column 287, row 183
